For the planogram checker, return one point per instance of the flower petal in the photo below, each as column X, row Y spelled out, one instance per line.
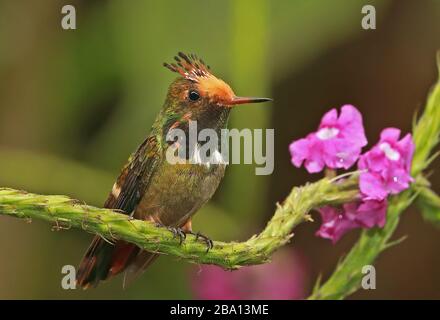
column 299, row 151
column 373, row 160
column 335, row 231
column 390, row 134
column 334, row 224
column 340, row 153
column 371, row 186
column 351, row 122
column 372, row 213
column 406, row 147
column 314, row 166
column 397, row 180
column 329, row 119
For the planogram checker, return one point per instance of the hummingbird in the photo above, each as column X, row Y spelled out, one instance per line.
column 151, row 188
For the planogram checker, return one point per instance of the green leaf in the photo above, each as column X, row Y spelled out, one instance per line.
column 429, row 204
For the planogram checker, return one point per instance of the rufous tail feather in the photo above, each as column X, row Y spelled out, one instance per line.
column 104, row 260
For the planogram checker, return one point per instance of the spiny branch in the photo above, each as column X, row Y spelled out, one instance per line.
column 65, row 213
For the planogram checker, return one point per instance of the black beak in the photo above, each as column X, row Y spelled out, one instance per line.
column 243, row 100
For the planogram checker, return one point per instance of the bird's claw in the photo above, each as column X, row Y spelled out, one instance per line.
column 208, row 241
column 178, row 232
column 182, row 235
column 175, row 231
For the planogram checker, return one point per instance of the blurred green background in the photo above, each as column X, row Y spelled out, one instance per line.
column 75, row 103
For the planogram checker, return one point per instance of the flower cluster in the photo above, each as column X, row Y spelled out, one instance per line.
column 386, row 166
column 362, row 214
column 384, row 170
column 336, row 144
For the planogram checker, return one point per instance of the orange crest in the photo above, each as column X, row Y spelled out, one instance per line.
column 194, row 69
column 190, row 67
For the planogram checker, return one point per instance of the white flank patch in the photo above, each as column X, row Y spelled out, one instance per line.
column 197, row 157
column 216, row 158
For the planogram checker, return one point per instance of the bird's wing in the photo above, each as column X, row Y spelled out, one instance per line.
column 135, row 177
column 103, row 260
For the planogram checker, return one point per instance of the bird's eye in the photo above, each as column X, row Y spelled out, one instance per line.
column 193, row 95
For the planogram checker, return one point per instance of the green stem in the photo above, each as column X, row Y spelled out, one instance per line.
column 64, row 213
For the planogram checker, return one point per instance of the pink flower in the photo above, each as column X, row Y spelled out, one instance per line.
column 283, row 278
column 363, row 214
column 386, row 166
column 336, row 144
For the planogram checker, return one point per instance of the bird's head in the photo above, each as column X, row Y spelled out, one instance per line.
column 199, row 89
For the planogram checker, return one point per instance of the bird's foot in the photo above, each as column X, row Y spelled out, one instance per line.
column 177, row 232
column 181, row 233
column 208, row 241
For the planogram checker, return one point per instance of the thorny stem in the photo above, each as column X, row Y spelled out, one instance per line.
column 66, row 213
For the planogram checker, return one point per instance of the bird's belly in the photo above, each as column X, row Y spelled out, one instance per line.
column 177, row 191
